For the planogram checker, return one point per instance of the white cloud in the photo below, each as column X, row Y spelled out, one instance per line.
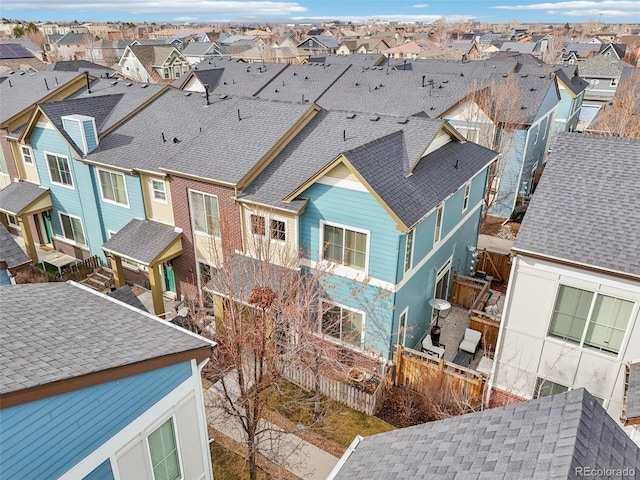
column 149, row 7
column 421, row 5
column 595, row 13
column 185, row 19
column 390, row 18
column 605, row 5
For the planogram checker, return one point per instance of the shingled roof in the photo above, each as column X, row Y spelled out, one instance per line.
column 586, row 208
column 79, row 332
column 17, row 196
column 10, row 251
column 142, row 240
column 559, row 436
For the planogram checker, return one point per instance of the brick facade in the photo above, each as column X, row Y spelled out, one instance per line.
column 184, row 266
column 68, row 249
column 8, row 155
column 500, row 398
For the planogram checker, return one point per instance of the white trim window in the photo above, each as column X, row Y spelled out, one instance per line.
column 344, row 324
column 158, row 190
column 345, row 246
column 164, row 452
column 437, row 231
column 590, row 320
column 113, row 187
column 277, row 230
column 402, row 326
column 59, row 170
column 408, row 251
column 204, row 212
column 12, row 220
column 27, row 154
column 465, row 199
column 72, row 228
column 277, row 227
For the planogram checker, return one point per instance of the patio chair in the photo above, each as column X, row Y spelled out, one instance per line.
column 471, row 341
column 431, row 349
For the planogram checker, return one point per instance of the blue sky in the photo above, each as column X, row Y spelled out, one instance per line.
column 525, row 11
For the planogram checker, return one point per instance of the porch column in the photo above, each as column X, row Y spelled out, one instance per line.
column 155, row 279
column 23, row 223
column 118, row 273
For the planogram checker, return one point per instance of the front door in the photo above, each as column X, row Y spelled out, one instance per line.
column 46, row 220
column 442, row 284
column 169, row 278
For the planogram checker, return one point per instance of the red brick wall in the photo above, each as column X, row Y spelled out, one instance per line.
column 136, row 277
column 77, row 252
column 500, row 398
column 184, row 266
column 8, row 155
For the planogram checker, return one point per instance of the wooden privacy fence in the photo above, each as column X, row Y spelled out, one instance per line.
column 340, row 391
column 489, row 325
column 498, row 265
column 425, row 373
column 469, row 292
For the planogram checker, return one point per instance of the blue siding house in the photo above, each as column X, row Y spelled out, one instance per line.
column 391, row 206
column 95, row 403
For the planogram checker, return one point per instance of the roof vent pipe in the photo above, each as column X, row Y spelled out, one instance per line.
column 239, row 117
column 46, row 84
column 163, row 139
column 86, row 74
column 206, row 93
column 423, row 77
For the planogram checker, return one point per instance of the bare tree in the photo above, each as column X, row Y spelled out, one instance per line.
column 621, row 116
column 555, row 47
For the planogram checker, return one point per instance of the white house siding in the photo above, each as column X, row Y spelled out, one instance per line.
column 525, row 352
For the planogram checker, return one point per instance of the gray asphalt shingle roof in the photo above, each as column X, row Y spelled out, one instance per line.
column 142, row 240
column 27, row 89
column 545, row 438
column 603, row 66
column 18, row 195
column 78, row 333
column 382, row 151
column 212, row 144
column 126, row 295
column 10, row 251
column 586, row 208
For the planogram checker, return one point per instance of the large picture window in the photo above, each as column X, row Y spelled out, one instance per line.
column 204, row 211
column 163, row 450
column 345, row 247
column 72, row 228
column 591, row 320
column 59, row 170
column 113, row 187
column 344, row 324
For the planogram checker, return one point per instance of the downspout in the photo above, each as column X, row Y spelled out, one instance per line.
column 344, row 458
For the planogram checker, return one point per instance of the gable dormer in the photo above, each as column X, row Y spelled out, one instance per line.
column 82, row 130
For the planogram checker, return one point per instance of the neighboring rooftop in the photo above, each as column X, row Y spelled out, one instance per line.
column 79, row 332
column 549, row 437
column 586, row 208
column 142, row 240
column 10, row 251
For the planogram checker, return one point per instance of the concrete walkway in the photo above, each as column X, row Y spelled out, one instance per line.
column 298, row 456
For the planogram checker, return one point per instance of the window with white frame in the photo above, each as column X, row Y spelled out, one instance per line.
column 277, row 230
column 590, row 320
column 163, row 450
column 408, row 251
column 258, row 225
column 465, row 199
column 4, row 170
column 437, row 233
column 165, row 73
column 59, row 170
column 204, row 211
column 345, row 246
column 72, row 228
column 113, row 187
column 343, row 324
column 27, row 154
column 12, row 220
column 159, row 191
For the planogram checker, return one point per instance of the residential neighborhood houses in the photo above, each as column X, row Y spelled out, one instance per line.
column 378, row 165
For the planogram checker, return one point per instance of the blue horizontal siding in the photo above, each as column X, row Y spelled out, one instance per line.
column 45, row 438
column 101, row 472
column 353, row 209
column 90, row 135
column 74, row 130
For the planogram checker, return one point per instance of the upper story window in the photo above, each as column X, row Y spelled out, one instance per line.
column 113, row 187
column 159, row 191
column 590, row 320
column 27, row 154
column 345, row 246
column 164, row 453
column 277, row 228
column 4, row 169
column 437, row 233
column 204, row 212
column 408, row 252
column 59, row 170
column 467, row 192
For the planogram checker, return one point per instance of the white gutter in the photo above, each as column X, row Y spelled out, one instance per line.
column 344, row 458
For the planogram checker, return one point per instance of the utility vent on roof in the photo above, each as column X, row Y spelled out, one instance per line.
column 374, row 118
column 351, row 115
column 543, row 76
column 186, row 94
column 403, row 121
column 222, row 97
column 114, row 83
column 145, row 85
column 524, row 75
column 129, row 84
